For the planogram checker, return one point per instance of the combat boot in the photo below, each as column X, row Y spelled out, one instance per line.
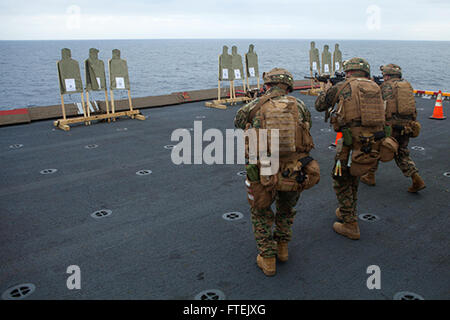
column 267, row 265
column 339, row 214
column 349, row 230
column 283, row 254
column 418, row 183
column 368, row 178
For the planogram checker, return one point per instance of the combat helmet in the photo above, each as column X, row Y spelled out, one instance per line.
column 391, row 70
column 279, row 75
column 359, row 64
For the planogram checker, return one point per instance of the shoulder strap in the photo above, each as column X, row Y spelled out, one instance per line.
column 338, row 93
column 262, row 101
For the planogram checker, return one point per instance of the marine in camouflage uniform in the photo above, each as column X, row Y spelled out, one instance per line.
column 268, row 240
column 345, row 186
column 393, row 73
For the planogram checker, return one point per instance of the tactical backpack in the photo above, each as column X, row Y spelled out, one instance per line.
column 401, row 109
column 282, row 114
column 361, row 117
column 297, row 171
column 402, row 103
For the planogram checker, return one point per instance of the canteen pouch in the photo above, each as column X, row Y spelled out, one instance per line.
column 312, row 171
column 299, row 176
column 362, row 162
column 388, row 149
column 259, row 197
column 415, row 129
column 287, row 176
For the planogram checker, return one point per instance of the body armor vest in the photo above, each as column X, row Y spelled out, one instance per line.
column 402, row 105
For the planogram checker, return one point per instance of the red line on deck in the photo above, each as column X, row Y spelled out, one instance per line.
column 14, row 112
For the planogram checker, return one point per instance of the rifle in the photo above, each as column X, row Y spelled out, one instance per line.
column 256, row 93
column 379, row 80
column 338, row 77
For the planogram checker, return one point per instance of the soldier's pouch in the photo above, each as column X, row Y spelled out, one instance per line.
column 362, row 162
column 303, row 139
column 415, row 129
column 388, row 149
column 312, row 171
column 286, row 184
column 259, row 196
column 288, row 176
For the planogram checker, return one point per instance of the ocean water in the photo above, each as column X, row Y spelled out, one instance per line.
column 29, row 76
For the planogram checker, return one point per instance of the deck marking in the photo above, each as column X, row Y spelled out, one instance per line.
column 49, row 171
column 144, row 172
column 232, row 216
column 19, row 292
column 101, row 214
column 16, row 146
column 369, row 217
column 242, row 173
column 406, row 295
column 211, row 294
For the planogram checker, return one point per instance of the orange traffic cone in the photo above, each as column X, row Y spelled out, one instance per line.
column 438, row 113
column 338, row 136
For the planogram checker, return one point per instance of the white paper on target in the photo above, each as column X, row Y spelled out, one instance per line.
column 252, row 72
column 70, row 85
column 314, row 66
column 99, row 82
column 224, row 74
column 326, row 68
column 237, row 74
column 120, row 83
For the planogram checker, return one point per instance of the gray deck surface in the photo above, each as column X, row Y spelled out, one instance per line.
column 166, row 238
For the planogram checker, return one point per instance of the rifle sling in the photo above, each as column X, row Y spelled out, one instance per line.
column 338, row 93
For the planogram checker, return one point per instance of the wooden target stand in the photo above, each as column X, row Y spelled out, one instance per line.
column 248, row 82
column 133, row 114
column 64, row 123
column 221, row 103
column 247, row 76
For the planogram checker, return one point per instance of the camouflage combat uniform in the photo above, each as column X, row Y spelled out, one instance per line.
column 346, row 186
column 263, row 220
column 402, row 158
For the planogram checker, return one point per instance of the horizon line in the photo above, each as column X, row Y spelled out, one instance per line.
column 279, row 39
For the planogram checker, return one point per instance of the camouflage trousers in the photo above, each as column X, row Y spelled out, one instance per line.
column 346, row 188
column 263, row 223
column 403, row 158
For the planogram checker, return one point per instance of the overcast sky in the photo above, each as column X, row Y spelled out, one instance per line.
column 153, row 19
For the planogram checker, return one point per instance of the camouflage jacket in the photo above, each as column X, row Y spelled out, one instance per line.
column 242, row 116
column 326, row 99
column 386, row 89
